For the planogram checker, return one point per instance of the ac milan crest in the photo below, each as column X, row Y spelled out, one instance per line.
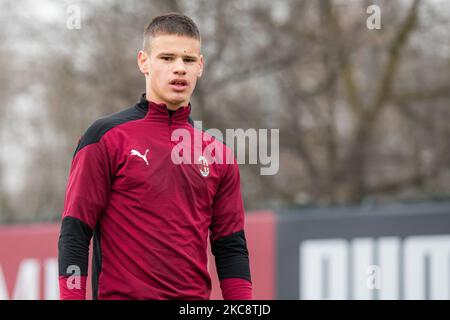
column 203, row 166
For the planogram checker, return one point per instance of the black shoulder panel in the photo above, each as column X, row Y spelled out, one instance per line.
column 96, row 131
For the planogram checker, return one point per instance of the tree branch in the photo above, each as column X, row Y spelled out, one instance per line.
column 390, row 68
column 416, row 96
column 250, row 71
column 338, row 44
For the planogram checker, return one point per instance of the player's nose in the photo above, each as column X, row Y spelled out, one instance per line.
column 179, row 67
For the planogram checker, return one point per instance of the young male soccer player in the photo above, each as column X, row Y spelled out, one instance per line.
column 150, row 216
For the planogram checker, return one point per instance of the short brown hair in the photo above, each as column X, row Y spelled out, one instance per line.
column 170, row 23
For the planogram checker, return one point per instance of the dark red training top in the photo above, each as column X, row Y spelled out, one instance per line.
column 149, row 216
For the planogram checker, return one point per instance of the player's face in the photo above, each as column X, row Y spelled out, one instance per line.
column 174, row 64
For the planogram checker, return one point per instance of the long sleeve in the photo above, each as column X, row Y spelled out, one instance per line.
column 86, row 197
column 227, row 237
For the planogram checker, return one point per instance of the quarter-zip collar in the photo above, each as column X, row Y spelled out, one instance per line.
column 159, row 112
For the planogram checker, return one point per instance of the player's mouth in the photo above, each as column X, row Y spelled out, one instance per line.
column 179, row 84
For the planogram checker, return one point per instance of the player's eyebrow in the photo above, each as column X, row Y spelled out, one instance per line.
column 167, row 54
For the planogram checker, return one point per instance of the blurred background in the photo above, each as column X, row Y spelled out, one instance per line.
column 363, row 113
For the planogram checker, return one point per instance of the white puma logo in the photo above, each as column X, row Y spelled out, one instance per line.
column 137, row 153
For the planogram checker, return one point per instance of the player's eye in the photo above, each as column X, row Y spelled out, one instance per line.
column 166, row 58
column 189, row 60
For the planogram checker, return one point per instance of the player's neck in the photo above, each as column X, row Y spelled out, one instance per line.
column 150, row 97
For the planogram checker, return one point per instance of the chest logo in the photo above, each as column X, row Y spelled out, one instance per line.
column 203, row 166
column 138, row 154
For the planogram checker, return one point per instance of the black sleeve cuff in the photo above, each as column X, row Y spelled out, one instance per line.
column 73, row 246
column 232, row 256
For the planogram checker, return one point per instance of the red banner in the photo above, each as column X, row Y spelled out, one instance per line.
column 29, row 266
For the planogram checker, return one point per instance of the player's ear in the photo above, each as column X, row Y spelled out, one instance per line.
column 200, row 71
column 143, row 62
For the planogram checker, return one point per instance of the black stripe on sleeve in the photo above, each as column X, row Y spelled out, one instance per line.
column 73, row 246
column 232, row 256
column 97, row 258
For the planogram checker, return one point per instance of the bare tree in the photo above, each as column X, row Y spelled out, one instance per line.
column 362, row 113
